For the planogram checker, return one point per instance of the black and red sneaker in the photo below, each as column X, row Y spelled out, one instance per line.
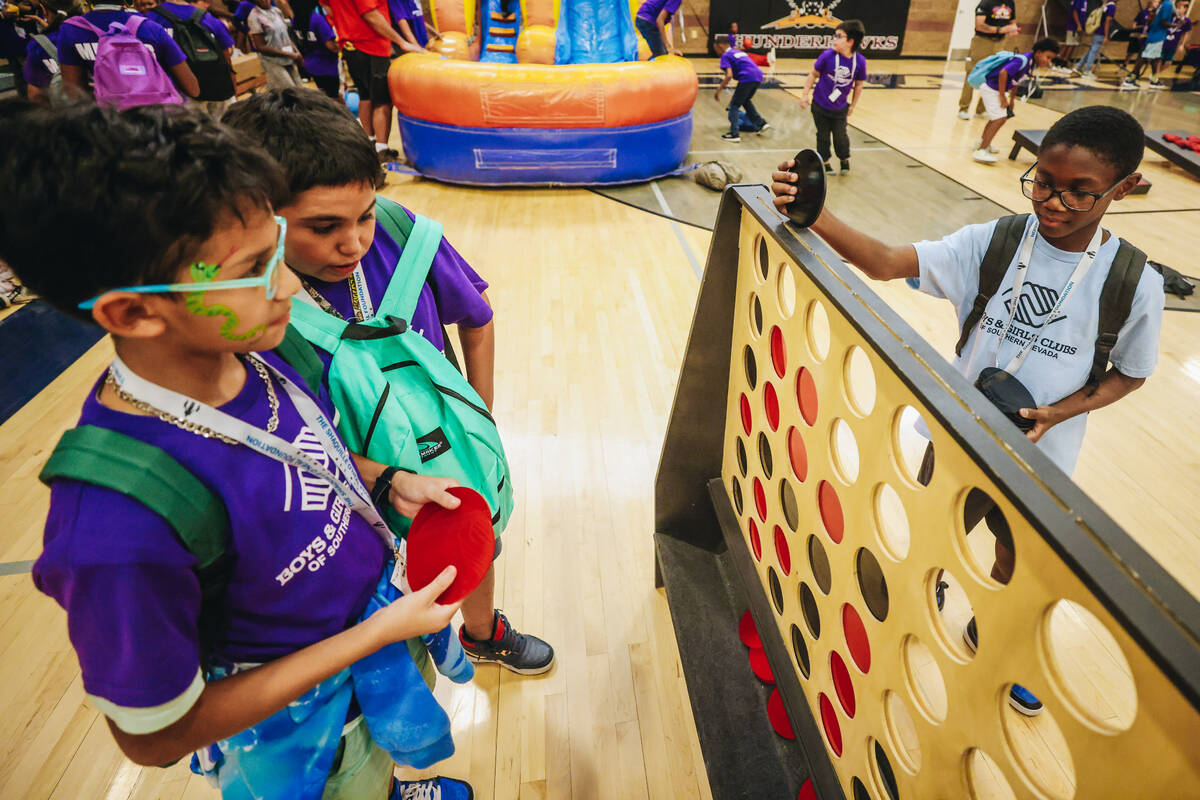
column 518, row 652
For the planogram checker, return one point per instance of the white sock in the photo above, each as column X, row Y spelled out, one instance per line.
column 379, row 148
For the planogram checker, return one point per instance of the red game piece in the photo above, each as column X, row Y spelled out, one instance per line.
column 463, row 537
column 760, row 665
column 807, row 792
column 748, row 633
column 778, row 715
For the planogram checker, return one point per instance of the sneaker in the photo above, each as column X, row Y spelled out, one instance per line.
column 518, row 652
column 828, row 168
column 1024, row 701
column 964, row 115
column 984, row 156
column 990, row 149
column 939, row 592
column 766, row 126
column 17, row 296
column 771, row 58
column 431, row 789
column 845, row 166
column 731, row 137
column 1129, row 83
column 971, row 636
column 1075, row 74
column 1155, row 83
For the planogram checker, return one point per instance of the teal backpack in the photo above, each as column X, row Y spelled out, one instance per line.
column 400, row 401
column 986, row 66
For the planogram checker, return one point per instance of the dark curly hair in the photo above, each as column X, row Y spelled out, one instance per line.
column 1111, row 134
column 119, row 198
column 316, row 139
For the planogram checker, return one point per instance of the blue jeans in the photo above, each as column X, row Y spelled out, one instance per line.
column 649, row 32
column 1089, row 58
column 741, row 99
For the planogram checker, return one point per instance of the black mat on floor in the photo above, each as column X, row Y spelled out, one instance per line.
column 36, row 344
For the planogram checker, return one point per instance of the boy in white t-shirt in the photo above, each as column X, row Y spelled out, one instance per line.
column 1087, row 160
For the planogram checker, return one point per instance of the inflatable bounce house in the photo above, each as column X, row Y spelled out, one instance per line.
column 550, row 93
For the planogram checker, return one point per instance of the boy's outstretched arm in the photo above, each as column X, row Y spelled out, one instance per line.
column 883, row 262
column 479, row 356
column 233, row 704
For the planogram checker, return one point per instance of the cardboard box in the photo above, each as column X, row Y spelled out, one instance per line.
column 248, row 73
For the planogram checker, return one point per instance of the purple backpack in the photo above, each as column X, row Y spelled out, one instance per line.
column 127, row 73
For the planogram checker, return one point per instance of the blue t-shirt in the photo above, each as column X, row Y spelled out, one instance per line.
column 1078, row 7
column 1160, row 26
column 211, row 23
column 836, row 78
column 40, row 66
column 318, row 60
column 77, row 46
column 409, row 10
column 650, row 9
column 1017, row 68
column 744, row 69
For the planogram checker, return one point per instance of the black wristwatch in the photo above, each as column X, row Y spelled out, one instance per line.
column 379, row 492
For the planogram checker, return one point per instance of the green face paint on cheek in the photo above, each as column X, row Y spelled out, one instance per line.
column 194, row 302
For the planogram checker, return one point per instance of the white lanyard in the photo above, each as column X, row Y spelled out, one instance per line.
column 182, row 407
column 359, row 296
column 1081, row 269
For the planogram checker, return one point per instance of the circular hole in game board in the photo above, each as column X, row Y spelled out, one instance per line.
column 881, row 769
column 909, row 445
column 857, row 790
column 764, row 455
column 819, row 562
column 952, row 615
column 808, row 608
column 989, row 539
column 756, row 316
column 806, row 395
column 747, row 416
column 760, row 500
column 1039, row 749
column 892, row 521
column 755, row 540
column 817, row 328
column 735, row 489
column 831, row 511
column 1082, row 654
column 778, row 351
column 776, row 589
column 902, row 732
column 856, row 638
column 872, row 584
column 829, row 721
column 797, row 454
column 791, row 509
column 842, row 684
column 751, row 365
column 787, row 290
column 743, row 467
column 859, row 380
column 771, row 405
column 924, row 678
column 844, row 448
column 800, row 651
column 764, row 263
column 782, row 553
column 985, row 780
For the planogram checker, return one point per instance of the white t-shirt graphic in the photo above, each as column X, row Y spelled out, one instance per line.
column 1061, row 357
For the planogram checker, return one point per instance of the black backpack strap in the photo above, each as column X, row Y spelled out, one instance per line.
column 1116, row 301
column 1006, row 238
column 168, row 15
column 299, row 354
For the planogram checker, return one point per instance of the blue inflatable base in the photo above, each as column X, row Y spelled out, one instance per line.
column 546, row 156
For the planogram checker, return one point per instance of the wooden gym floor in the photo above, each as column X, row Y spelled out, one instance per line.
column 593, row 300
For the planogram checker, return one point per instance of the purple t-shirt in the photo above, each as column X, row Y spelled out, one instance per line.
column 452, row 293
column 304, row 564
column 1078, row 7
column 185, row 10
column 410, row 10
column 77, row 46
column 1017, row 67
column 318, row 60
column 836, row 78
column 744, row 69
column 650, row 9
column 1181, row 26
column 40, row 67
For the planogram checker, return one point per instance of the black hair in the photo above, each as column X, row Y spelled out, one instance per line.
column 854, row 31
column 107, row 199
column 1110, row 134
column 1049, row 43
column 316, row 139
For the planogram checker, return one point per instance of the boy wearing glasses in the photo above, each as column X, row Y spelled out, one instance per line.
column 193, row 299
column 1087, row 160
column 833, row 88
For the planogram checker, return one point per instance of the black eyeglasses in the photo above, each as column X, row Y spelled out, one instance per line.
column 1072, row 199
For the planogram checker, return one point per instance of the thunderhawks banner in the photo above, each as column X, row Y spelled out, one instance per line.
column 805, row 27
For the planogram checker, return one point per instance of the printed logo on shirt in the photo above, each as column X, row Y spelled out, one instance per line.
column 1035, row 303
column 315, row 495
column 314, row 492
column 87, row 51
column 1001, row 12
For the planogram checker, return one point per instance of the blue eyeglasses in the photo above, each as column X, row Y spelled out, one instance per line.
column 269, row 280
